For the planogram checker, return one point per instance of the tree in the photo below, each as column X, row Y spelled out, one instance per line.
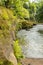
column 6, row 3
column 39, row 14
column 32, row 10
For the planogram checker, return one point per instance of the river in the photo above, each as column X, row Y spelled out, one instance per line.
column 33, row 47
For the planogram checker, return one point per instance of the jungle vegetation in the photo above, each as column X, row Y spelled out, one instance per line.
column 14, row 16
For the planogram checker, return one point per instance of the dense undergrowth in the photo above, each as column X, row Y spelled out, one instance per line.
column 14, row 17
column 9, row 26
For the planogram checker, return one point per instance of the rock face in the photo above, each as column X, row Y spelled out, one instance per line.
column 7, row 36
column 6, row 53
column 6, row 49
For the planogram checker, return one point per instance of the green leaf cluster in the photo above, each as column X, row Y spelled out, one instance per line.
column 17, row 50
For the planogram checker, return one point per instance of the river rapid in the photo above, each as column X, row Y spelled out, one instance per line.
column 33, row 47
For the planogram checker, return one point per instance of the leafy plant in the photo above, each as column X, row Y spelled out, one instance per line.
column 17, row 50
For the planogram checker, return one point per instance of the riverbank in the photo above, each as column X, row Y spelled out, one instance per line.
column 32, row 61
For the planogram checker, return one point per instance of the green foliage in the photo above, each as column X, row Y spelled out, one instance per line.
column 19, row 63
column 32, row 10
column 25, row 13
column 19, row 6
column 39, row 14
column 18, row 26
column 14, row 15
column 17, row 50
column 6, row 14
column 26, row 6
column 24, row 24
column 5, row 62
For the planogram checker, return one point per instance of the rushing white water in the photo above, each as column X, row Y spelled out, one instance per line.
column 34, row 42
